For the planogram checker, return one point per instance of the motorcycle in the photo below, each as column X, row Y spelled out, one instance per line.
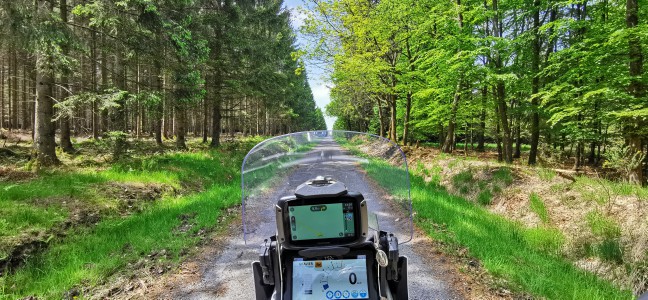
column 342, row 207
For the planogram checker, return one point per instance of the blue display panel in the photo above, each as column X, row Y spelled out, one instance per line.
column 330, row 279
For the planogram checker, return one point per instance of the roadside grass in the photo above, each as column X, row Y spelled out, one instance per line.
column 467, row 184
column 538, row 206
column 207, row 179
column 608, row 233
column 527, row 258
column 90, row 255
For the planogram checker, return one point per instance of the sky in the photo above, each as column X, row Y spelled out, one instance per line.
column 321, row 92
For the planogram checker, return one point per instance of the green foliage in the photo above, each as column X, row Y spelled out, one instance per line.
column 624, row 159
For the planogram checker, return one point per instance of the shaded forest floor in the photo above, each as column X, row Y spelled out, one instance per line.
column 91, row 221
column 600, row 225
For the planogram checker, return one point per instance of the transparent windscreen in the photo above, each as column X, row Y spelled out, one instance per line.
column 364, row 163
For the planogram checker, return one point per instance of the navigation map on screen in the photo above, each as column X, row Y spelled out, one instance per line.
column 321, row 221
column 330, row 279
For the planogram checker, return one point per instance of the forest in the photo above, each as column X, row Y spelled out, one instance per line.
column 564, row 77
column 138, row 68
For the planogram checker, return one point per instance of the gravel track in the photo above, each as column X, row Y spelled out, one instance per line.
column 228, row 273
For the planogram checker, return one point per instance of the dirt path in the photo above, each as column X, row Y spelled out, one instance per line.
column 222, row 269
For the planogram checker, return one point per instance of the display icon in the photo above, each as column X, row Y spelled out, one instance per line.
column 346, row 294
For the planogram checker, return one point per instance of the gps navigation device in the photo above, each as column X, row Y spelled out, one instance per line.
column 337, row 219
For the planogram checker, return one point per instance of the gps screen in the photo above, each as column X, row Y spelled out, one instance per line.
column 330, row 279
column 321, row 221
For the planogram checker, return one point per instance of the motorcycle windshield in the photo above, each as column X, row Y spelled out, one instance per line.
column 364, row 163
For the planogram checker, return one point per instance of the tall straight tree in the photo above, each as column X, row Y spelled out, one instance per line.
column 636, row 88
column 44, row 142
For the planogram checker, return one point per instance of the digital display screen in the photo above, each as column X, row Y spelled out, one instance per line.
column 321, row 221
column 330, row 279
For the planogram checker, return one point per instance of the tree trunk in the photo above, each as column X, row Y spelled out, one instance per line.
column 408, row 108
column 14, row 91
column 66, row 142
column 380, row 119
column 636, row 87
column 205, row 121
column 119, row 115
column 24, row 116
column 507, row 141
column 93, row 65
column 104, row 83
column 482, row 122
column 216, row 112
column 181, row 123
column 518, row 140
column 2, row 92
column 535, row 84
column 158, row 109
column 44, row 142
column 449, row 141
column 501, row 93
column 392, row 126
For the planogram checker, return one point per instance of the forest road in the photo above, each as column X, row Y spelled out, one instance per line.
column 223, row 270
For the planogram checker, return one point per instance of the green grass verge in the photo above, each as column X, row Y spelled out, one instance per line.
column 527, row 257
column 89, row 255
column 538, row 206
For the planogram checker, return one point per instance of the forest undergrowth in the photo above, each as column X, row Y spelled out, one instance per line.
column 597, row 224
column 93, row 220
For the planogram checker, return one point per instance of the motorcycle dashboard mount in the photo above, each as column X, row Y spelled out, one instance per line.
column 321, row 214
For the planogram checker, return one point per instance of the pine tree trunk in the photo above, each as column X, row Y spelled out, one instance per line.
column 158, row 109
column 14, row 91
column 24, row 116
column 181, row 123
column 119, row 114
column 216, row 113
column 65, row 141
column 2, row 92
column 44, row 142
column 94, row 78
